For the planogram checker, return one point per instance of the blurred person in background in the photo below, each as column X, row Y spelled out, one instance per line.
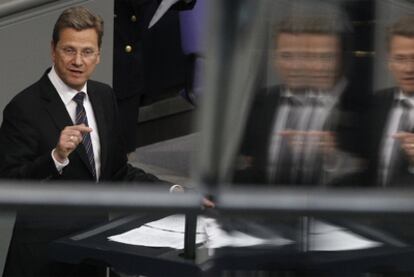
column 149, row 63
column 391, row 117
column 291, row 135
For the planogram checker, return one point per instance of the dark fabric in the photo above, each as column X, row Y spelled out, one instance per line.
column 28, row 254
column 155, row 66
column 256, row 138
column 31, row 127
column 376, row 123
column 397, row 153
column 129, row 112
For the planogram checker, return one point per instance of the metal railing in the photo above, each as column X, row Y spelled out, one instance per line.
column 311, row 201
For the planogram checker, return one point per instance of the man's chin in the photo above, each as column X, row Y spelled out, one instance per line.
column 76, row 85
column 297, row 89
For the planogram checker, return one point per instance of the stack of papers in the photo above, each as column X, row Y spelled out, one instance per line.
column 328, row 237
column 169, row 232
column 217, row 237
column 166, row 232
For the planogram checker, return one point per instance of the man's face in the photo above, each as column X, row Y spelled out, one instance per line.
column 308, row 60
column 401, row 62
column 75, row 56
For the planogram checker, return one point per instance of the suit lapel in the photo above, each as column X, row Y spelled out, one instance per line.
column 54, row 104
column 382, row 107
column 99, row 112
column 57, row 110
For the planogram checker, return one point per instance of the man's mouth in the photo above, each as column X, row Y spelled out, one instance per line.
column 76, row 72
column 407, row 80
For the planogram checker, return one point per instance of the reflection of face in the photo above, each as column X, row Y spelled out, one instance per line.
column 75, row 70
column 401, row 62
column 308, row 60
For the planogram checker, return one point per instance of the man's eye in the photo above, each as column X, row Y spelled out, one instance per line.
column 399, row 58
column 88, row 52
column 327, row 56
column 285, row 55
column 69, row 50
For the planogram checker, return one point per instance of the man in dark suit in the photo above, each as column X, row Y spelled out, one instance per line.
column 148, row 63
column 291, row 135
column 63, row 127
column 390, row 122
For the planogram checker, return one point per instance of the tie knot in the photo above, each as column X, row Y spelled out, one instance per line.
column 79, row 97
column 291, row 101
column 315, row 101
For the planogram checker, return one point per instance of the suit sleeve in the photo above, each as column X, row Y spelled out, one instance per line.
column 19, row 147
column 123, row 170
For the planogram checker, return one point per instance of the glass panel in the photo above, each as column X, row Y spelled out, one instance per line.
column 294, row 101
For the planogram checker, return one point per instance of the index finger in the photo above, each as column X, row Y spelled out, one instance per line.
column 291, row 133
column 82, row 128
column 403, row 135
column 320, row 133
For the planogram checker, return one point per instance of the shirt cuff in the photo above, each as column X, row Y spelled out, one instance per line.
column 59, row 165
column 176, row 188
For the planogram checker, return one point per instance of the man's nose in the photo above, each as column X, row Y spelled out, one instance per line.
column 409, row 66
column 77, row 59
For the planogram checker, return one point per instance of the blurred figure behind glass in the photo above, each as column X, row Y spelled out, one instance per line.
column 291, row 134
column 391, row 116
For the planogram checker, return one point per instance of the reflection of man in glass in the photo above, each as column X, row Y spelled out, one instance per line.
column 290, row 135
column 308, row 58
column 392, row 117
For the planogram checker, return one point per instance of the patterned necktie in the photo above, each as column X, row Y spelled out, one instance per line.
column 81, row 118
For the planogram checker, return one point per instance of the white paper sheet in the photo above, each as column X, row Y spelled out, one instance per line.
column 166, row 232
column 327, row 237
column 146, row 236
column 217, row 237
column 169, row 232
column 175, row 223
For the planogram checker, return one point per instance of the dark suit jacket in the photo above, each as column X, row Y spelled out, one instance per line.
column 31, row 127
column 256, row 137
column 156, row 64
column 382, row 104
column 156, row 61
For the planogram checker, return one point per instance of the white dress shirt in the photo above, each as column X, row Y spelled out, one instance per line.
column 309, row 119
column 66, row 94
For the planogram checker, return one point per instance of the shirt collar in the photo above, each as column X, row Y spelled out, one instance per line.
column 65, row 92
column 329, row 98
column 402, row 96
column 300, row 97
